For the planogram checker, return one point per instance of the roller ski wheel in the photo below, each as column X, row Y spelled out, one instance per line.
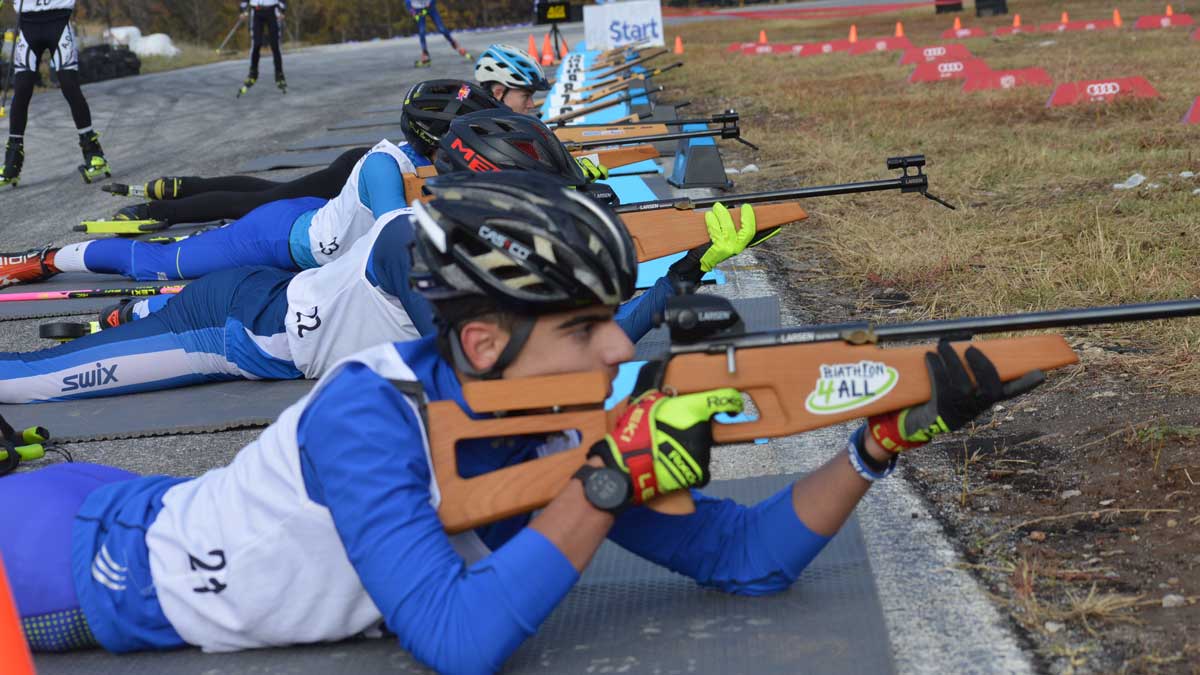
column 123, row 190
column 246, row 86
column 282, row 84
column 465, row 54
column 67, row 330
column 94, row 164
column 423, row 62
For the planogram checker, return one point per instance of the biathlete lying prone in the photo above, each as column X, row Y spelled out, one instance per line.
column 326, row 526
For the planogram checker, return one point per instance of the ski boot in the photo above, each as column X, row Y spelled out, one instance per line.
column 462, row 51
column 281, row 82
column 94, row 165
column 424, row 61
column 14, row 159
column 22, row 268
column 167, row 187
column 246, row 85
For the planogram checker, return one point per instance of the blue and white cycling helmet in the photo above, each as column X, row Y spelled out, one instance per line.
column 510, row 67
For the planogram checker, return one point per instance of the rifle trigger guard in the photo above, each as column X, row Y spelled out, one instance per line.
column 860, row 336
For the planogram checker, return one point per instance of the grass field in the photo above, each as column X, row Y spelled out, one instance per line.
column 1038, row 225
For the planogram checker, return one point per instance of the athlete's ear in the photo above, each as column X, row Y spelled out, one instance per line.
column 482, row 343
column 498, row 92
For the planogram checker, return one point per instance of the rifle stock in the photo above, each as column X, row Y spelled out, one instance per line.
column 617, row 157
column 611, row 133
column 415, row 182
column 622, row 67
column 666, row 231
column 780, row 380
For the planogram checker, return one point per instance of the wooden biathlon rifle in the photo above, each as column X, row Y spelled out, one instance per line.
column 620, row 85
column 726, row 131
column 630, row 64
column 669, row 226
column 627, row 78
column 798, row 379
column 571, row 113
column 616, row 130
column 618, row 54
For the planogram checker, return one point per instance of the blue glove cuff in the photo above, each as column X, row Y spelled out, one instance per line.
column 862, row 462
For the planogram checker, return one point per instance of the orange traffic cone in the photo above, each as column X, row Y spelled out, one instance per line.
column 899, row 29
column 678, row 45
column 14, row 653
column 1016, row 20
column 762, row 37
column 547, row 51
column 853, row 33
column 957, row 23
column 533, row 52
column 1117, row 17
column 1064, row 18
column 1170, row 12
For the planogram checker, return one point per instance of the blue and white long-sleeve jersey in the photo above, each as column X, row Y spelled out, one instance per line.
column 326, row 526
column 417, row 5
column 375, row 187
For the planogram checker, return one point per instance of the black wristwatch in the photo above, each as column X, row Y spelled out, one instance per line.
column 606, row 488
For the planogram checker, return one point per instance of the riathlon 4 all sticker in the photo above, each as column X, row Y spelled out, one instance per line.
column 846, row 386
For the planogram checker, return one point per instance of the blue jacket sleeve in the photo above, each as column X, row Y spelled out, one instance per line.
column 388, row 268
column 362, row 455
column 381, row 184
column 636, row 317
column 755, row 550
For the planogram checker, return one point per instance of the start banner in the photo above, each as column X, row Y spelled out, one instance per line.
column 622, row 23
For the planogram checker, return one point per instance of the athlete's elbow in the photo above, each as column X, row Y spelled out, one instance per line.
column 459, row 654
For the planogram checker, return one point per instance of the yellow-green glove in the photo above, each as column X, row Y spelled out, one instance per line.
column 593, row 171
column 725, row 239
column 664, row 442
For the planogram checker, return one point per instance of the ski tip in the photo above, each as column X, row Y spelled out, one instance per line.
column 116, row 189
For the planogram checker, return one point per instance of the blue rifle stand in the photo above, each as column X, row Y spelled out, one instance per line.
column 698, row 163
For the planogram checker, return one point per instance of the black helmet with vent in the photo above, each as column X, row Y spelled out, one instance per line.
column 502, row 140
column 430, row 106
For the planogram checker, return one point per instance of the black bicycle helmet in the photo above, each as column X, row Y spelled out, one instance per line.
column 502, row 140
column 430, row 106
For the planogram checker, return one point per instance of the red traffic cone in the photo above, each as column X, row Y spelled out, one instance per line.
column 14, row 653
column 762, row 37
column 899, row 29
column 533, row 52
column 957, row 23
column 678, row 45
column 853, row 33
column 547, row 51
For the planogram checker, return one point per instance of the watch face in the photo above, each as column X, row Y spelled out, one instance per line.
column 606, row 489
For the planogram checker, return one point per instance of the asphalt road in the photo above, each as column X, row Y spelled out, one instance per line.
column 188, row 122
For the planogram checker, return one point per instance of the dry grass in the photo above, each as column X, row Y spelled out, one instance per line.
column 1039, row 225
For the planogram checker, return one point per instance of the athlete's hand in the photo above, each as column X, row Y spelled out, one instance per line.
column 954, row 399
column 664, row 442
column 593, row 171
column 725, row 239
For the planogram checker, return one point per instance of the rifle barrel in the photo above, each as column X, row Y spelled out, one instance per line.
column 773, row 195
column 956, row 329
column 723, row 118
column 727, row 132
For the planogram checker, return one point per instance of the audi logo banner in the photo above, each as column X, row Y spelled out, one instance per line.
column 1008, row 79
column 1101, row 91
column 950, row 52
column 948, row 70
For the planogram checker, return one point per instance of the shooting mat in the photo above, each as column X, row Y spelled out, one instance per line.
column 362, row 138
column 624, row 615
column 292, row 160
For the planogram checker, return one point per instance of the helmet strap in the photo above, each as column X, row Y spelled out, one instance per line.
column 518, row 336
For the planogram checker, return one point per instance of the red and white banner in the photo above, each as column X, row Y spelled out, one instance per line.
column 1193, row 114
column 1008, row 79
column 1154, row 21
column 1196, row 35
column 952, row 51
column 774, row 48
column 962, row 33
column 948, row 70
column 739, row 46
column 883, row 44
column 816, row 48
column 1072, row 93
column 1071, row 26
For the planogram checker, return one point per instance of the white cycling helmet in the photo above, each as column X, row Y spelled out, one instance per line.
column 510, row 67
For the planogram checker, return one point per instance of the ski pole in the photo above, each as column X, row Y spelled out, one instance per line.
column 231, row 32
column 91, row 293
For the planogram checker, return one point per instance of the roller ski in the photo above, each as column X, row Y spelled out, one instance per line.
column 281, row 82
column 110, row 317
column 25, row 445
column 246, row 86
column 131, row 220
column 424, row 61
column 94, row 165
column 167, row 187
column 14, row 159
column 465, row 54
